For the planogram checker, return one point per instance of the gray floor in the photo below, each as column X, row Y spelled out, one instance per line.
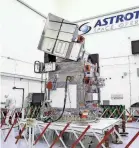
column 132, row 129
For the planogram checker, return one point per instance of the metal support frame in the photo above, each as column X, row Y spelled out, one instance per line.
column 4, row 119
column 105, row 137
column 76, row 136
column 67, row 128
column 81, row 136
column 137, row 113
column 42, row 133
column 104, row 113
column 60, row 135
column 15, row 121
column 43, row 136
column 10, row 130
column 130, row 115
column 112, row 113
column 20, row 134
column 20, row 127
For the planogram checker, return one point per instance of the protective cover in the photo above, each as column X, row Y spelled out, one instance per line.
column 59, row 38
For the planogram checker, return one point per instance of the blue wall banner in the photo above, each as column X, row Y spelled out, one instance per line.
column 111, row 22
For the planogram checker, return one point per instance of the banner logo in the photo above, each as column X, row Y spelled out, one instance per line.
column 111, row 22
column 84, row 28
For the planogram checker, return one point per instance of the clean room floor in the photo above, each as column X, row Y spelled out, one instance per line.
column 132, row 129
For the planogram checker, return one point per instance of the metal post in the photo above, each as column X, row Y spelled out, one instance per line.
column 105, row 137
column 29, row 139
column 106, row 140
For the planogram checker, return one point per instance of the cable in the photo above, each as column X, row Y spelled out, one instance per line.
column 68, row 78
column 69, row 98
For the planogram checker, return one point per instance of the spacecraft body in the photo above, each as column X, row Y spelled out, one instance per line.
column 73, row 74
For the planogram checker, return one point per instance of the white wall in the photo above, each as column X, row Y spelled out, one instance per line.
column 7, row 83
column 74, row 10
column 20, row 31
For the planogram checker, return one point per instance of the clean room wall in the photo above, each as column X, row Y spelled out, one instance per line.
column 80, row 9
column 20, row 31
column 30, row 86
column 20, row 34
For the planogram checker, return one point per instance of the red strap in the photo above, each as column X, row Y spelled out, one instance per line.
column 105, row 137
column 3, row 121
column 118, row 111
column 81, row 136
column 15, row 121
column 132, row 140
column 20, row 134
column 10, row 120
column 111, row 113
column 130, row 114
column 38, row 138
column 61, row 133
column 107, row 109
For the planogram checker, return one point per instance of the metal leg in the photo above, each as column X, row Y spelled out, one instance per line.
column 29, row 139
column 60, row 140
column 77, row 138
column 105, row 137
column 119, row 136
column 10, row 130
column 23, row 132
column 99, row 140
column 20, row 134
column 60, row 135
column 32, row 137
column 43, row 136
column 80, row 137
